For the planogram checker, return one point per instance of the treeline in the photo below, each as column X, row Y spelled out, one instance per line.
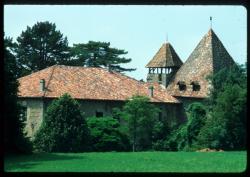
column 42, row 45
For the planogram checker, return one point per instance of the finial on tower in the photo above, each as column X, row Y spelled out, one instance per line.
column 210, row 22
column 166, row 37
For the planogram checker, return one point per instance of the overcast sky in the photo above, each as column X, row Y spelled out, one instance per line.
column 140, row 30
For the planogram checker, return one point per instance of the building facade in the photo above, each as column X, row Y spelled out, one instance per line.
column 96, row 89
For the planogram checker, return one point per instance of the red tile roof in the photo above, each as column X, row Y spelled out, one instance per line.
column 88, row 83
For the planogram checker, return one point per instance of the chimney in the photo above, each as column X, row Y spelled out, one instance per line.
column 109, row 68
column 42, row 85
column 151, row 91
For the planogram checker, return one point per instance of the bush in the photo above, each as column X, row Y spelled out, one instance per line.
column 183, row 137
column 64, row 129
column 196, row 120
column 106, row 135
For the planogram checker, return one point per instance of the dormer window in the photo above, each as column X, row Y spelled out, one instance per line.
column 196, row 86
column 182, row 85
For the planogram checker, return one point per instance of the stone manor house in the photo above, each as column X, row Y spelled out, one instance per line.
column 171, row 84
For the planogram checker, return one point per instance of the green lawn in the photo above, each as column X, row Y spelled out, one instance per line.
column 129, row 162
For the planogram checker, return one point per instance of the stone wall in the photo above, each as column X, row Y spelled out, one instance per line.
column 90, row 107
column 173, row 113
column 34, row 115
column 165, row 78
column 36, row 108
column 186, row 101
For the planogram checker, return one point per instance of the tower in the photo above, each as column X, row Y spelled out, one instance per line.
column 209, row 57
column 164, row 65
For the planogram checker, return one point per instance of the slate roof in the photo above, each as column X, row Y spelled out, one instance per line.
column 165, row 57
column 88, row 83
column 208, row 57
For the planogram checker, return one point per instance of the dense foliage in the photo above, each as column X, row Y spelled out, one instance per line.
column 184, row 136
column 197, row 118
column 221, row 122
column 106, row 135
column 141, row 117
column 14, row 137
column 41, row 46
column 99, row 54
column 226, row 126
column 64, row 128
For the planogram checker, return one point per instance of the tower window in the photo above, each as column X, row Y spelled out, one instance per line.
column 196, row 86
column 182, row 85
column 160, row 77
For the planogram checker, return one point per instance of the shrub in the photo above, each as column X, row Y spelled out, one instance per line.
column 196, row 120
column 64, row 128
column 106, row 135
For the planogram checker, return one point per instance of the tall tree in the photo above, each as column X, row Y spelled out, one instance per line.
column 99, row 54
column 14, row 137
column 141, row 116
column 41, row 46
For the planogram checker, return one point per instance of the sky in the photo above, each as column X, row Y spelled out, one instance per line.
column 138, row 29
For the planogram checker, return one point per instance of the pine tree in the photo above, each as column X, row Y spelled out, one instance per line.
column 99, row 54
column 41, row 46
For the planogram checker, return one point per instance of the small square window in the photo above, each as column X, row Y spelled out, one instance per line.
column 99, row 114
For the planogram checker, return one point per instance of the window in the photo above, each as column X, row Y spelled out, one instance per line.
column 182, row 85
column 99, row 114
column 196, row 86
column 160, row 78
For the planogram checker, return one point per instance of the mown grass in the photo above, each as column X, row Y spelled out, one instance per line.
column 128, row 162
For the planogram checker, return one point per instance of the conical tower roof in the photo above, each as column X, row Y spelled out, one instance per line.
column 208, row 57
column 165, row 57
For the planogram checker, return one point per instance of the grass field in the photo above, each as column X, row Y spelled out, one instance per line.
column 129, row 162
